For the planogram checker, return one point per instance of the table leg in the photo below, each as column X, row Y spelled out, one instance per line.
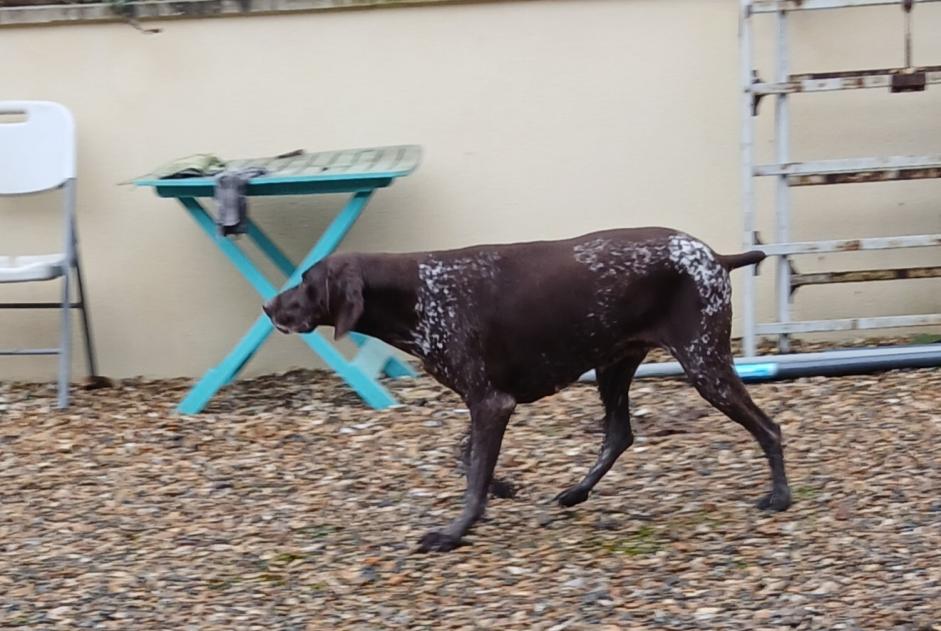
column 220, row 375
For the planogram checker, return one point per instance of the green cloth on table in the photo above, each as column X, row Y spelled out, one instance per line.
column 196, row 165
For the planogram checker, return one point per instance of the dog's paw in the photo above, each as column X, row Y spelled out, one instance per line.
column 571, row 497
column 504, row 489
column 435, row 541
column 775, row 501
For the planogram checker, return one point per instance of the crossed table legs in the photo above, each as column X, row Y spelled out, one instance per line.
column 374, row 356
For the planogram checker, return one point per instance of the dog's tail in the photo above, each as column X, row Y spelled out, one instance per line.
column 734, row 261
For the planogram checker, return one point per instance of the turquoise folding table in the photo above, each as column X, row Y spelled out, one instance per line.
column 358, row 172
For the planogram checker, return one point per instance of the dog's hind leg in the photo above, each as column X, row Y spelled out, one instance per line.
column 489, row 416
column 614, row 381
column 707, row 360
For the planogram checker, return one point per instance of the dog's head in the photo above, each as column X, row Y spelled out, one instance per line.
column 331, row 293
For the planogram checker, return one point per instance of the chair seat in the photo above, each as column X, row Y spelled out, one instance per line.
column 21, row 269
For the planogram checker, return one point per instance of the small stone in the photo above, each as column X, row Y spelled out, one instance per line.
column 59, row 612
column 596, row 596
column 827, row 587
column 605, row 522
column 762, row 615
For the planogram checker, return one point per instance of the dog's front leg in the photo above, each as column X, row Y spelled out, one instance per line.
column 489, row 416
column 499, row 487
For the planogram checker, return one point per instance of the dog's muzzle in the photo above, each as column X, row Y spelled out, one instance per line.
column 268, row 309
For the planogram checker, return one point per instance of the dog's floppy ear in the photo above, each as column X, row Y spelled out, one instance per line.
column 345, row 289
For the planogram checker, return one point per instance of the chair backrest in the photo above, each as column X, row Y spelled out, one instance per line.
column 37, row 146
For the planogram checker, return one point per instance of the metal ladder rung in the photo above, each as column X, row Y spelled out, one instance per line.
column 850, row 80
column 864, row 276
column 847, row 324
column 855, row 170
column 29, row 351
column 38, row 305
column 774, row 6
column 852, row 245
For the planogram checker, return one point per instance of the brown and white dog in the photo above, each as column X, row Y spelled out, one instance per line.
column 508, row 324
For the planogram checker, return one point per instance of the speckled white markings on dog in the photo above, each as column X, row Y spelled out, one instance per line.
column 711, row 278
column 443, row 288
column 714, row 287
column 613, row 261
column 688, row 255
column 589, row 253
column 601, row 255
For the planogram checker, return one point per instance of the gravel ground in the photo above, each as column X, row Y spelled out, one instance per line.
column 290, row 506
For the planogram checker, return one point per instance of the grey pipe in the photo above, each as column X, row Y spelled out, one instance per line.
column 828, row 363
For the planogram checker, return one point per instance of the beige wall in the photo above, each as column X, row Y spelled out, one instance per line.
column 539, row 119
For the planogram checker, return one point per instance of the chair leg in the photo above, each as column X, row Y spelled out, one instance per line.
column 65, row 343
column 86, row 322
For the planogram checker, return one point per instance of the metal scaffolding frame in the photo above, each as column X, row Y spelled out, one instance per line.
column 789, row 174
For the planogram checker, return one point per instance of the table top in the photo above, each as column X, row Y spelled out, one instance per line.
column 347, row 170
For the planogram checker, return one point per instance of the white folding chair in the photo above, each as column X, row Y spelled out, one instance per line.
column 37, row 153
